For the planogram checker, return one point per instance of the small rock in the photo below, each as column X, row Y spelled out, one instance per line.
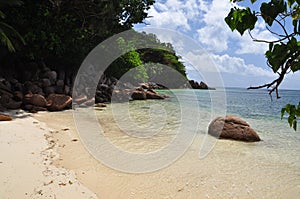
column 151, row 94
column 144, row 86
column 46, row 82
column 138, row 95
column 18, row 95
column 60, row 83
column 37, row 100
column 89, row 102
column 100, row 105
column 80, row 99
column 4, row 117
column 49, row 90
column 58, row 102
column 52, row 75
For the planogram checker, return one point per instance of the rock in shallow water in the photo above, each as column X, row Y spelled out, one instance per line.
column 232, row 127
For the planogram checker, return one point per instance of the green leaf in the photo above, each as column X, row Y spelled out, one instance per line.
column 6, row 41
column 295, row 125
column 241, row 20
column 295, row 65
column 271, row 10
column 277, row 56
column 291, row 120
column 271, row 46
column 282, row 112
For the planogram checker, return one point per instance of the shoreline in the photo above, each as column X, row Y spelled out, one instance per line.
column 231, row 170
column 27, row 155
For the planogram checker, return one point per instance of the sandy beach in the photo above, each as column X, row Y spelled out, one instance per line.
column 231, row 170
column 27, row 153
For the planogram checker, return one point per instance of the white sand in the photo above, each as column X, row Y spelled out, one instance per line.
column 231, row 170
column 27, row 151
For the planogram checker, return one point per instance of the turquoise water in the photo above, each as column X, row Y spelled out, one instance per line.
column 231, row 169
column 194, row 109
column 254, row 104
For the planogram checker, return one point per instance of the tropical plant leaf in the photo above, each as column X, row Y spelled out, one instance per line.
column 6, row 41
column 241, row 20
column 10, row 3
column 271, row 10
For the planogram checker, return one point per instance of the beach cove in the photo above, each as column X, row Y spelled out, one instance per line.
column 232, row 169
column 266, row 169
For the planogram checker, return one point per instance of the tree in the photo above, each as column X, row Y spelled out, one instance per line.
column 283, row 54
column 7, row 32
column 62, row 32
column 145, row 62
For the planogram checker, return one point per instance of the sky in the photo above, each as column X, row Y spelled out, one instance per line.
column 239, row 60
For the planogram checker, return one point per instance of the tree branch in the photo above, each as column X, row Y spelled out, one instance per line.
column 274, row 84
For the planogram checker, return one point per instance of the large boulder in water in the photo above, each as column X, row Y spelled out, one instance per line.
column 232, row 127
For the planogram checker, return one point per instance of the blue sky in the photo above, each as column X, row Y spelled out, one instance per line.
column 240, row 61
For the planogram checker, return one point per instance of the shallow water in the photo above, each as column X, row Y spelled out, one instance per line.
column 230, row 169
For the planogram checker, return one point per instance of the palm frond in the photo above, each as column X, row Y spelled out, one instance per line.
column 10, row 30
column 6, row 41
column 2, row 15
column 10, row 3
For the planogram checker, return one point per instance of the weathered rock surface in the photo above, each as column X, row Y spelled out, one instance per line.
column 4, row 117
column 35, row 100
column 46, row 89
column 196, row 85
column 138, row 95
column 58, row 102
column 232, row 127
column 151, row 94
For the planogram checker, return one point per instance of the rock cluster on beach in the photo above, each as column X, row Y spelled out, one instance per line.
column 52, row 91
column 232, row 127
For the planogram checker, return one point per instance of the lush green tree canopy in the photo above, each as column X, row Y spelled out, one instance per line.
column 147, row 59
column 283, row 54
column 61, row 33
column 61, row 29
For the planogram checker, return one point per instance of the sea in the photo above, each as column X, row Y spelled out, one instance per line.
column 162, row 146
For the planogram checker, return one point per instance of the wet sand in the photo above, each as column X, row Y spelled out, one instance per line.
column 231, row 170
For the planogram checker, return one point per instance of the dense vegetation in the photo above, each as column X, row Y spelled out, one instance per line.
column 283, row 54
column 59, row 34
column 147, row 55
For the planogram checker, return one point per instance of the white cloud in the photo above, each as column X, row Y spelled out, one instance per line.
column 169, row 19
column 236, row 65
column 204, row 62
column 204, row 21
column 217, row 37
column 174, row 14
column 215, row 33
